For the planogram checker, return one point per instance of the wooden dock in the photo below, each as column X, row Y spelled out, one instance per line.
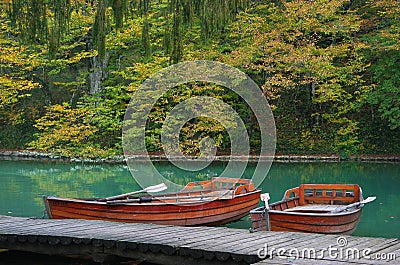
column 104, row 241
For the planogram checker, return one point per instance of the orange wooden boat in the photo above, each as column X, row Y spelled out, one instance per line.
column 217, row 201
column 314, row 208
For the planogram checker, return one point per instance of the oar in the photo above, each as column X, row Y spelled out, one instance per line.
column 155, row 188
column 356, row 204
column 226, row 196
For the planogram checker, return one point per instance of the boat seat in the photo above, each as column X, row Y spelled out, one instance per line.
column 221, row 194
column 206, row 196
column 314, row 208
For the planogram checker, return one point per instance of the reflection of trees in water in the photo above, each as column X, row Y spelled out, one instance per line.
column 28, row 180
column 80, row 180
column 182, row 177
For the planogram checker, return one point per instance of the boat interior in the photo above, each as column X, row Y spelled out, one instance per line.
column 209, row 190
column 318, row 198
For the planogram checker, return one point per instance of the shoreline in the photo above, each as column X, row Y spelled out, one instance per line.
column 32, row 155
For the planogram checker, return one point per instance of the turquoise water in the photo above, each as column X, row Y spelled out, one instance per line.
column 23, row 183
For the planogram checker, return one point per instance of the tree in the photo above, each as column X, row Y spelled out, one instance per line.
column 16, row 86
column 328, row 68
column 306, row 54
column 384, row 38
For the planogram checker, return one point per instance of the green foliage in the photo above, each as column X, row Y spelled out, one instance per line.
column 385, row 95
column 330, row 70
column 69, row 132
column 307, row 58
column 385, row 54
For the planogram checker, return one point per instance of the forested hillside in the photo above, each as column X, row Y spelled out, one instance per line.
column 330, row 69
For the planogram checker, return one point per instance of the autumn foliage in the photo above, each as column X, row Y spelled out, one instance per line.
column 330, row 70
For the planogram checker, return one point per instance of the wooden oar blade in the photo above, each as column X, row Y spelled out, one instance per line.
column 156, row 188
column 369, row 199
column 356, row 204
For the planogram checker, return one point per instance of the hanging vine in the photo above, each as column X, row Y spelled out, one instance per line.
column 176, row 47
column 144, row 10
column 46, row 21
column 146, row 37
column 212, row 14
column 59, row 25
column 41, row 21
column 120, row 9
column 30, row 19
column 99, row 29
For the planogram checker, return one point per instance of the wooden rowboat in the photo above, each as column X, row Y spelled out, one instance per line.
column 314, row 208
column 217, row 201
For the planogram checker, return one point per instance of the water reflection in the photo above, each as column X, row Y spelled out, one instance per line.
column 24, row 182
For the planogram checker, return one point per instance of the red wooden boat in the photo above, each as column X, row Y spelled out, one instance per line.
column 217, row 201
column 314, row 208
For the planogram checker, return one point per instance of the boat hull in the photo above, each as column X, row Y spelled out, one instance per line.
column 340, row 223
column 313, row 208
column 214, row 212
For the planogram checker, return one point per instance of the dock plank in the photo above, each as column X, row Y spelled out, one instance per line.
column 283, row 240
column 176, row 244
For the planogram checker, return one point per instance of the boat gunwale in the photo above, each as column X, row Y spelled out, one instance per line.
column 158, row 202
column 286, row 199
column 260, row 210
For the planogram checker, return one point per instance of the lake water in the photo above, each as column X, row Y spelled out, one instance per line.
column 22, row 184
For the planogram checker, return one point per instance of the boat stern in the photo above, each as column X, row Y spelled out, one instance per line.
column 47, row 207
column 258, row 218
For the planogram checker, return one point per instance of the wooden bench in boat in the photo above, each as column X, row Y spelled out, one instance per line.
column 208, row 196
column 314, row 208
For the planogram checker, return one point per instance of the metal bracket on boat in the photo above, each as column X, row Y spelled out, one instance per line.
column 265, row 198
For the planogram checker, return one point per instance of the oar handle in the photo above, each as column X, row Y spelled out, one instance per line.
column 139, row 199
column 224, row 196
column 122, row 195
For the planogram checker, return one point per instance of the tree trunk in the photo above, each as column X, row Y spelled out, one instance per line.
column 98, row 73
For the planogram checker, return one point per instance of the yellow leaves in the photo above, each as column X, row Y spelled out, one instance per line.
column 311, row 12
column 63, row 127
column 330, row 93
column 388, row 8
column 278, row 80
column 68, row 131
column 12, row 89
column 11, row 55
column 18, row 57
column 121, row 39
column 302, row 21
column 81, row 55
column 140, row 71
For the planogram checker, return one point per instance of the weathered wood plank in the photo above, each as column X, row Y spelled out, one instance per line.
column 386, row 252
column 179, row 238
column 199, row 245
column 283, row 240
column 42, row 228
